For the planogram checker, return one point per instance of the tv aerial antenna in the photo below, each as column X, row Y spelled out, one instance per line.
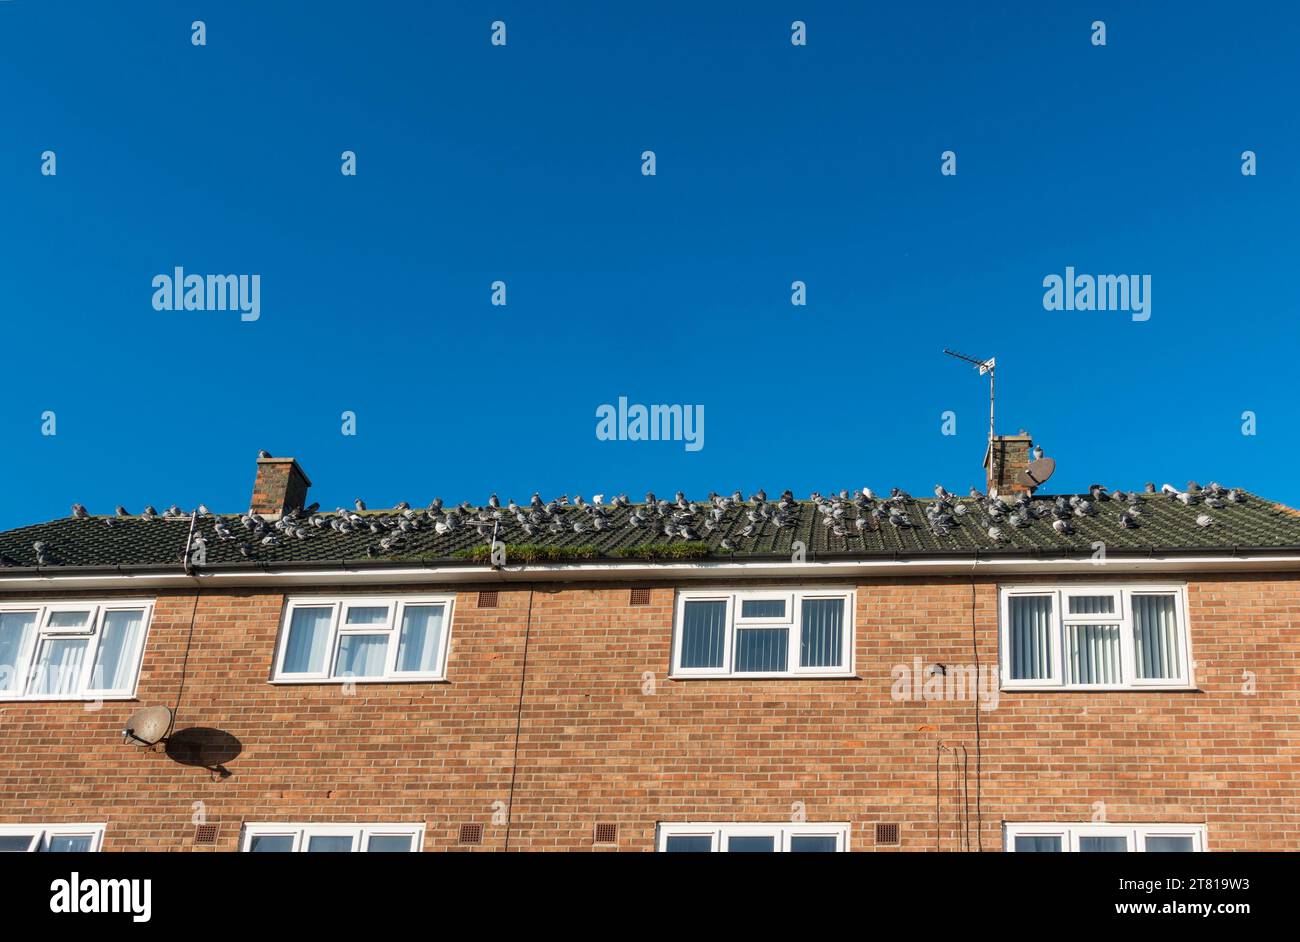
column 984, row 366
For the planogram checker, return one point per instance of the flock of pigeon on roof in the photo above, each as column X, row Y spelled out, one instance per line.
column 845, row 515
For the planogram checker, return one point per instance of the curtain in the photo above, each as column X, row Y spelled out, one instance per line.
column 751, row 844
column 1038, row 844
column 1031, row 637
column 68, row 844
column 1103, row 844
column 704, row 630
column 118, row 646
column 1168, row 844
column 762, row 608
column 14, row 630
column 58, row 666
column 812, row 844
column 688, row 844
column 330, row 843
column 389, row 844
column 1155, row 636
column 270, row 843
column 367, row 615
column 1092, row 604
column 762, row 649
column 361, row 655
column 417, row 646
column 821, row 633
column 308, row 633
column 1093, row 654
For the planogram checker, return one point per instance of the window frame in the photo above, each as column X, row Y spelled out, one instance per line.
column 301, row 833
column 1123, row 593
column 41, row 834
column 99, row 609
column 392, row 627
column 1135, row 835
column 721, row 832
column 794, row 596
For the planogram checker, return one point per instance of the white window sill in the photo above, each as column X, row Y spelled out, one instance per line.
column 337, row 681
column 68, row 698
column 1145, row 688
column 766, row 676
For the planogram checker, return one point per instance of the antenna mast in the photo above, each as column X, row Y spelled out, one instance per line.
column 984, row 366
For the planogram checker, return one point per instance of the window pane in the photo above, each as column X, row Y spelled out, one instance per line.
column 821, row 633
column 1155, row 636
column 15, row 629
column 329, row 844
column 115, row 660
column 308, row 633
column 814, row 845
column 417, row 647
column 15, row 843
column 704, row 629
column 69, row 619
column 762, row 608
column 361, row 656
column 1031, row 637
column 1166, row 844
column 1092, row 655
column 764, row 844
column 1035, row 844
column 762, row 649
column 58, row 665
column 1092, row 604
column 271, row 843
column 389, row 843
column 689, row 843
column 367, row 615
column 1103, row 844
column 68, row 843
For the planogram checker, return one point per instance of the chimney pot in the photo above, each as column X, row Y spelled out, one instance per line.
column 280, row 486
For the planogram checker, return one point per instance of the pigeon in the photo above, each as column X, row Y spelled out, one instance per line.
column 996, row 535
column 121, row 511
column 42, row 553
column 1149, row 487
column 727, row 546
column 1204, row 520
column 1127, row 521
column 1063, row 527
column 360, row 504
column 79, row 512
column 149, row 513
column 1038, row 452
column 264, row 454
column 245, row 549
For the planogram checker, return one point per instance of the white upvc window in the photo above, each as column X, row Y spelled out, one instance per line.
column 72, row 650
column 341, row 640
column 51, row 838
column 763, row 633
column 1105, row 838
column 333, row 838
column 753, row 838
column 1095, row 637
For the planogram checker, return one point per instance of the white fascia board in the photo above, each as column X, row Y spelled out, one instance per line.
column 674, row 572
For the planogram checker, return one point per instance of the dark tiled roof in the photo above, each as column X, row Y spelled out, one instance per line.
column 1165, row 526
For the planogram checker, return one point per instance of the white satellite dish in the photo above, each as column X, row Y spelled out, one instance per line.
column 148, row 726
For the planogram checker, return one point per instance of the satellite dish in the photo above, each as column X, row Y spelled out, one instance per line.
column 1037, row 473
column 148, row 726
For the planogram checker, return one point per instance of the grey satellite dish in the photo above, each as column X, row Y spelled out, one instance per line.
column 1037, row 473
column 148, row 726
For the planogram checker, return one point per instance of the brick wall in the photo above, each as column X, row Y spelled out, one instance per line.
column 606, row 736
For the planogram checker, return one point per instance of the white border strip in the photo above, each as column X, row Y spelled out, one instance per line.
column 667, row 571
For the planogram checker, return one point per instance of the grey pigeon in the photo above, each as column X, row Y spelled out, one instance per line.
column 79, row 512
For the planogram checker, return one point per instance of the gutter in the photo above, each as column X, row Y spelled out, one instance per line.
column 775, row 565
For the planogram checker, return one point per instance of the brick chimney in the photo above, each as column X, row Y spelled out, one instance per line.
column 280, row 486
column 1010, row 456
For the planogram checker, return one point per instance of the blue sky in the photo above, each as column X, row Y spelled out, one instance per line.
column 523, row 163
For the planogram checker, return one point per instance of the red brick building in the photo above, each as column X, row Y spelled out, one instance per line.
column 849, row 672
